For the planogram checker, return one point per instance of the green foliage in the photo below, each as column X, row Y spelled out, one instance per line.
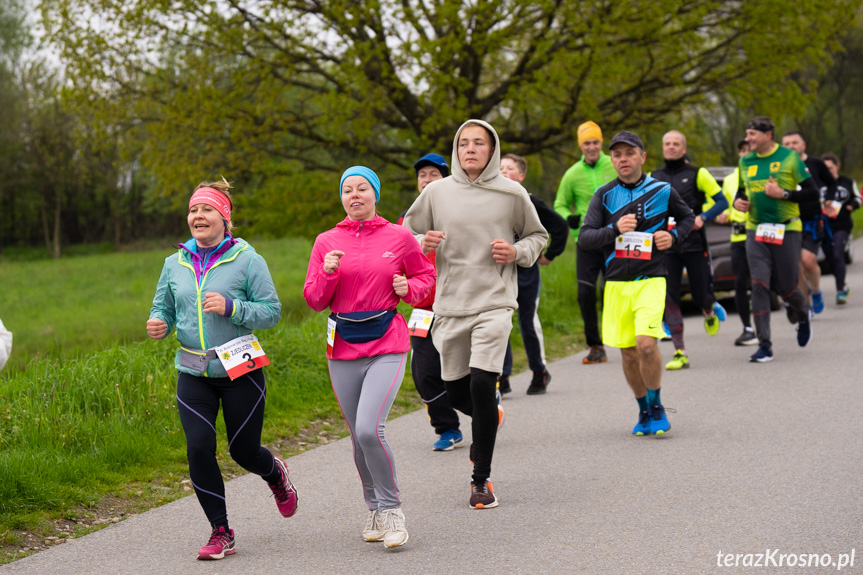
column 248, row 88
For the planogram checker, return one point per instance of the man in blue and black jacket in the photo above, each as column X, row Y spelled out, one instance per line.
column 628, row 220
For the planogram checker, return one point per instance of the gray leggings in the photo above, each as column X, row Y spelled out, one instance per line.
column 365, row 389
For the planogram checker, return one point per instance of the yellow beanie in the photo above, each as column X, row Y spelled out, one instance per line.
column 588, row 131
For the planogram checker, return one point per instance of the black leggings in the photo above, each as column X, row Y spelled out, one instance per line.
column 589, row 264
column 425, row 369
column 834, row 251
column 243, row 403
column 474, row 396
column 697, row 266
column 740, row 267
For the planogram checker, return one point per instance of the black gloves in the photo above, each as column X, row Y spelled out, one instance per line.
column 574, row 220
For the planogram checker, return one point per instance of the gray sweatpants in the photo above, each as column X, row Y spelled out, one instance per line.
column 778, row 264
column 365, row 389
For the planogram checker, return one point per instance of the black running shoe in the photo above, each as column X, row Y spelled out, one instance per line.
column 539, row 383
column 482, row 496
column 503, row 384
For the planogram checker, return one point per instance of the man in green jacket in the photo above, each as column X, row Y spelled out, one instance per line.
column 573, row 197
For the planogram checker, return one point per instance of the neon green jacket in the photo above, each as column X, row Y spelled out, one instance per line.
column 578, row 184
column 239, row 274
column 729, row 189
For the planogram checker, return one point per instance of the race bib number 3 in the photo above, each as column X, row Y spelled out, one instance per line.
column 770, row 233
column 242, row 355
column 420, row 322
column 634, row 246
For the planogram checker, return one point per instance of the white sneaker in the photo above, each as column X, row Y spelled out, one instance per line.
column 394, row 524
column 374, row 529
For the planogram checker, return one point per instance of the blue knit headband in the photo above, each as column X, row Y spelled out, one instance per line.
column 366, row 173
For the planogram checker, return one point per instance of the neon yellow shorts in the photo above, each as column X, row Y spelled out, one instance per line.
column 632, row 308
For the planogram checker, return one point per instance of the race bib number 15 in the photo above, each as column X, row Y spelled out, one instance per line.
column 242, row 355
column 770, row 233
column 634, row 246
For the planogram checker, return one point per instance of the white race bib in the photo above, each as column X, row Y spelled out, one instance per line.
column 331, row 335
column 770, row 233
column 420, row 322
column 634, row 246
column 242, row 355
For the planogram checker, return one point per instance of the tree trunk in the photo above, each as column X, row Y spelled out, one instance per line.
column 46, row 231
column 58, row 204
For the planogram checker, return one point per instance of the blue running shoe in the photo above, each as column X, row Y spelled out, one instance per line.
column 667, row 331
column 643, row 425
column 449, row 440
column 804, row 333
column 719, row 311
column 817, row 302
column 763, row 355
column 658, row 421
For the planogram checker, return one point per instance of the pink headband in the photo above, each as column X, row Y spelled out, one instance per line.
column 212, row 197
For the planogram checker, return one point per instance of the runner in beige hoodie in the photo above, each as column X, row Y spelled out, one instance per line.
column 481, row 225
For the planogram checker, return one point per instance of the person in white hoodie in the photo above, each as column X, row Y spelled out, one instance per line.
column 472, row 219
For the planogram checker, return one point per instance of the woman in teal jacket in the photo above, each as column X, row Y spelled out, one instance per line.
column 214, row 291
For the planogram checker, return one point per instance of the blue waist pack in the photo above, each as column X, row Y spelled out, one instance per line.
column 363, row 326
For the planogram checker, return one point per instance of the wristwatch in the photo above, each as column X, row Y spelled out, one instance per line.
column 786, row 194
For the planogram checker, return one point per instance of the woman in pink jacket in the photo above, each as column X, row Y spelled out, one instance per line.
column 360, row 269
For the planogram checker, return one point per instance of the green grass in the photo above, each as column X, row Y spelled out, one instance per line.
column 80, row 304
column 87, row 405
column 857, row 217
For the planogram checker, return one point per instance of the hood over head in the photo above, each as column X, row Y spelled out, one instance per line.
column 492, row 169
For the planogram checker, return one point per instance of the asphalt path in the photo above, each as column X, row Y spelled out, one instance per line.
column 761, row 459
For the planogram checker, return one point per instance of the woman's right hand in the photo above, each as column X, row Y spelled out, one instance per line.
column 332, row 261
column 156, row 328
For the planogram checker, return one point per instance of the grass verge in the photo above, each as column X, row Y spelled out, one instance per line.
column 89, row 432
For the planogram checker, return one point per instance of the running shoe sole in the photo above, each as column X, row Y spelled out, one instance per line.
column 390, row 545
column 491, row 505
column 216, row 556
column 452, row 446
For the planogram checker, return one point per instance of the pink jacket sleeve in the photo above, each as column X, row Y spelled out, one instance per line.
column 320, row 286
column 419, row 271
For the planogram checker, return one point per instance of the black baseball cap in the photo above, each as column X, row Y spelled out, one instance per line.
column 626, row 137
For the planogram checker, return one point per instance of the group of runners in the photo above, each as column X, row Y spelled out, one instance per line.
column 465, row 255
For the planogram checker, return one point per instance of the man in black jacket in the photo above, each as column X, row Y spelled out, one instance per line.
column 814, row 221
column 694, row 185
column 529, row 283
column 628, row 218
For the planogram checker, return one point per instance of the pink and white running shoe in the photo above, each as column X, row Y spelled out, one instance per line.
column 284, row 491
